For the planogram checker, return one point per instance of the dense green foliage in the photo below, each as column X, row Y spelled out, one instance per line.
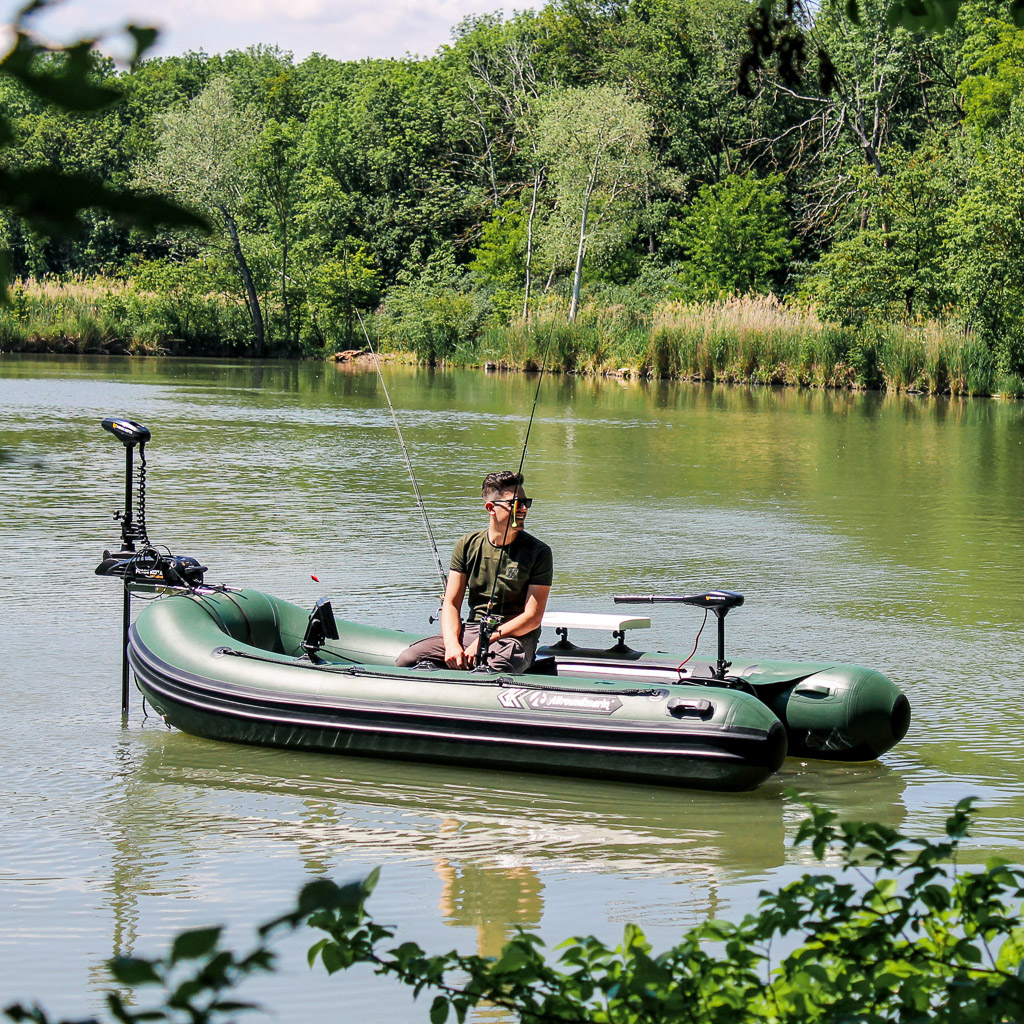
column 587, row 163
column 901, row 935
column 47, row 197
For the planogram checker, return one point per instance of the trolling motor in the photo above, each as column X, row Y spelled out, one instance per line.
column 721, row 602
column 146, row 568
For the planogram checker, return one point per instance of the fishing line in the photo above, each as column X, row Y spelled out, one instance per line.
column 488, row 625
column 408, row 461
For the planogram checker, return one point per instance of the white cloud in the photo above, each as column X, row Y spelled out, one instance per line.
column 345, row 30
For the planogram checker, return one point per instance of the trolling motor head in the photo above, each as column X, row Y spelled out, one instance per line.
column 152, row 568
column 721, row 602
column 128, row 432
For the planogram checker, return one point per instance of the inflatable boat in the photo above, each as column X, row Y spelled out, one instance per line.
column 247, row 667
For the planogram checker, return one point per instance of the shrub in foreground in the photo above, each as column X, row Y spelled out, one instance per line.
column 902, row 934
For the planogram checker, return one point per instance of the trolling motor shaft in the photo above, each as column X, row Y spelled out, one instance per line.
column 721, row 602
column 130, row 434
column 147, row 568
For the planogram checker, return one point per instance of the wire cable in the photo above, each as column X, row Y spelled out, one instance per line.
column 679, row 667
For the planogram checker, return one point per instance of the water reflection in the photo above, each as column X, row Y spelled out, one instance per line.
column 884, row 530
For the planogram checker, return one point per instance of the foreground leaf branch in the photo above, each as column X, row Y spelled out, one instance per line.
column 901, row 934
column 50, row 200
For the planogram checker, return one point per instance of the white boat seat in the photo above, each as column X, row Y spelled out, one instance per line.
column 617, row 625
column 594, row 620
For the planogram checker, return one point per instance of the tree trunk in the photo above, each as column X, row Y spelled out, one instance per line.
column 581, row 247
column 251, row 298
column 577, row 276
column 529, row 242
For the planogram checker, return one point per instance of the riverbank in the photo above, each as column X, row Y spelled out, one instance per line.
column 747, row 340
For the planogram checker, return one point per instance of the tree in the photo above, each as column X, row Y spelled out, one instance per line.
column 505, row 85
column 736, row 237
column 780, row 34
column 206, row 160
column 893, row 268
column 596, row 144
column 984, row 244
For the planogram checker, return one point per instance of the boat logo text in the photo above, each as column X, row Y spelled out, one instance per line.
column 545, row 700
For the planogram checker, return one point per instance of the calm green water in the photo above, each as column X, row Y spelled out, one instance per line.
column 882, row 530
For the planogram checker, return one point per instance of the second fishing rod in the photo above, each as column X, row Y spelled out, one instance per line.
column 492, row 617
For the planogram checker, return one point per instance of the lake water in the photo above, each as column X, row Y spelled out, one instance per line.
column 884, row 530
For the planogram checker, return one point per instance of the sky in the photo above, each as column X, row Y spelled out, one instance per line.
column 343, row 29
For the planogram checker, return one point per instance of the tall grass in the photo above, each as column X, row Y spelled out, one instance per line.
column 101, row 315
column 752, row 339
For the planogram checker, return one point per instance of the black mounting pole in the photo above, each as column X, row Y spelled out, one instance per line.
column 720, row 614
column 130, row 434
column 127, row 544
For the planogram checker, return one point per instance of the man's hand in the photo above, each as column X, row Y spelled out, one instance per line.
column 471, row 653
column 455, row 656
column 451, row 624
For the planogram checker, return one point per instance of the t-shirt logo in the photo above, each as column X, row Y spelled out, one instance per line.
column 513, row 570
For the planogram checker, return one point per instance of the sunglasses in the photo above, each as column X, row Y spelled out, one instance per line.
column 521, row 502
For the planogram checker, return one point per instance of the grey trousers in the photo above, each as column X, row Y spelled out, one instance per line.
column 512, row 654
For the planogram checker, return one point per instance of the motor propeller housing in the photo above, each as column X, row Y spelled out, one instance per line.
column 153, row 568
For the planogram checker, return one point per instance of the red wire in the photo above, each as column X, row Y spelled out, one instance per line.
column 679, row 667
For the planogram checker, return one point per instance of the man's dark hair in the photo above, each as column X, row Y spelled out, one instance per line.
column 496, row 484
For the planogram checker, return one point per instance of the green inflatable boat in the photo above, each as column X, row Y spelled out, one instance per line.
column 248, row 667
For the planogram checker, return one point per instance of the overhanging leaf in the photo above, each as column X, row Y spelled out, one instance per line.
column 194, row 944
column 130, row 970
column 51, row 202
column 68, row 84
column 144, row 37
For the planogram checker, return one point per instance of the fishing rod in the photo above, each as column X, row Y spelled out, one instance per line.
column 492, row 619
column 408, row 463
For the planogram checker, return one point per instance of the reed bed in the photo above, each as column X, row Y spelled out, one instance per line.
column 101, row 315
column 751, row 340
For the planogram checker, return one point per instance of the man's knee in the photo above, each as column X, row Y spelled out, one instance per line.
column 430, row 649
column 510, row 656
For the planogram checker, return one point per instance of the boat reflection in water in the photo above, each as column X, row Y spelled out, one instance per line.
column 494, row 842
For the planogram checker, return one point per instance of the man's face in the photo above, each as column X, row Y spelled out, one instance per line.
column 503, row 511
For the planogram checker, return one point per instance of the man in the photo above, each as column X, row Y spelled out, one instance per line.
column 505, row 570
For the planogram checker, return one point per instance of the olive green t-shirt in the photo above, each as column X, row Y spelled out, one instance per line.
column 523, row 563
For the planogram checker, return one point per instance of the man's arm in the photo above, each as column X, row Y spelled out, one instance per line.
column 529, row 619
column 451, row 620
